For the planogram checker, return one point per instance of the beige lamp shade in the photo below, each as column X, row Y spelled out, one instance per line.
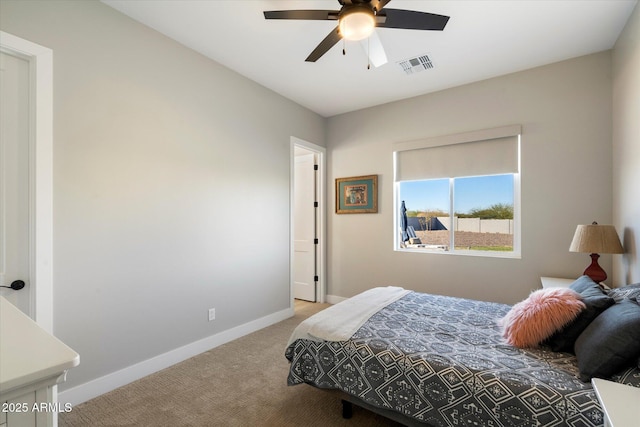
column 596, row 238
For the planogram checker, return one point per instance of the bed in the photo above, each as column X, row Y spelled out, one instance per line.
column 435, row 360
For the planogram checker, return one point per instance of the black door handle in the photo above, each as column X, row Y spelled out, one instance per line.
column 16, row 285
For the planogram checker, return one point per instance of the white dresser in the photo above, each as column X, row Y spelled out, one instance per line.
column 32, row 362
column 620, row 403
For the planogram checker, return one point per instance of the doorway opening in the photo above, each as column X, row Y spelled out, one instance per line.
column 40, row 164
column 308, row 223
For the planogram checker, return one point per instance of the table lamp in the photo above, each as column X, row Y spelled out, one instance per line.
column 594, row 239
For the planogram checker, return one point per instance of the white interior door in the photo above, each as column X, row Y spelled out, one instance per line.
column 304, row 229
column 14, row 180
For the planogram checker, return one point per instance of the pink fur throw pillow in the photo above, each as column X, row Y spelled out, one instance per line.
column 535, row 319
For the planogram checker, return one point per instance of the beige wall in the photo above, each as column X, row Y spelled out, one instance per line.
column 626, row 149
column 565, row 113
column 162, row 158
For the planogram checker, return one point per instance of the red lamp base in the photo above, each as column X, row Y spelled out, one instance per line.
column 594, row 270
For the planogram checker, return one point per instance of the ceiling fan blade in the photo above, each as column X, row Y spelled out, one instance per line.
column 412, row 20
column 315, row 15
column 332, row 38
column 373, row 47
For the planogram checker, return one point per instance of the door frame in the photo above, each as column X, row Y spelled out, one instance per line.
column 322, row 224
column 40, row 61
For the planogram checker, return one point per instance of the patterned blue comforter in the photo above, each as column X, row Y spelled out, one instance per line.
column 442, row 361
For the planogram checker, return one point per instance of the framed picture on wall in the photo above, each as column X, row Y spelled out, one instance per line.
column 358, row 194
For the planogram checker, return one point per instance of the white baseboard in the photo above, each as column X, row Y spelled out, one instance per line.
column 334, row 299
column 94, row 388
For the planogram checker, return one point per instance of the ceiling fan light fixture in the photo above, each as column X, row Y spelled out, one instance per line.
column 357, row 23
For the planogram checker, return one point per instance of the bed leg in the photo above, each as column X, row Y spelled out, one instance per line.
column 347, row 409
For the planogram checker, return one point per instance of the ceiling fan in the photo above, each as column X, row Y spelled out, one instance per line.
column 356, row 21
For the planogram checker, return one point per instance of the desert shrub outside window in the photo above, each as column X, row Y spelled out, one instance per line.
column 460, row 194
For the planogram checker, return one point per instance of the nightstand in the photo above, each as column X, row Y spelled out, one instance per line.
column 555, row 282
column 620, row 403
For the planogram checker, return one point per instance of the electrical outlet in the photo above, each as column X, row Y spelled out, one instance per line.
column 212, row 314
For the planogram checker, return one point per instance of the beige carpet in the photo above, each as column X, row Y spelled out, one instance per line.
column 241, row 383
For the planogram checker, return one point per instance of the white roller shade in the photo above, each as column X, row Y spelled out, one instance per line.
column 488, row 152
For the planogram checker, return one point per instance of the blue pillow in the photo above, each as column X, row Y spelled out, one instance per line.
column 610, row 342
column 596, row 301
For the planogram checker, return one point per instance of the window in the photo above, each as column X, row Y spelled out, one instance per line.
column 461, row 193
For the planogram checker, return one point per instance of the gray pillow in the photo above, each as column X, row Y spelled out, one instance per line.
column 611, row 342
column 596, row 301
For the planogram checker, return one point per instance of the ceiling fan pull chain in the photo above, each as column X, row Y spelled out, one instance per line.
column 369, row 53
column 344, row 45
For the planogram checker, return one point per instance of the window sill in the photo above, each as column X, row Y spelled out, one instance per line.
column 441, row 250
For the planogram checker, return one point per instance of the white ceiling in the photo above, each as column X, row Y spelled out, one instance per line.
column 482, row 39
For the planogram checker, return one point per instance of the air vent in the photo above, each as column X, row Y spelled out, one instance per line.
column 417, row 64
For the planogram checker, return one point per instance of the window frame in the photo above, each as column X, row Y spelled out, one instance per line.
column 515, row 131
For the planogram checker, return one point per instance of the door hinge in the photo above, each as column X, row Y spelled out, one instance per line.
column 315, row 278
column 315, row 167
column 315, row 241
column 315, row 204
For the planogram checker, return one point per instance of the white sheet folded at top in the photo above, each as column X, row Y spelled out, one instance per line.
column 340, row 321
